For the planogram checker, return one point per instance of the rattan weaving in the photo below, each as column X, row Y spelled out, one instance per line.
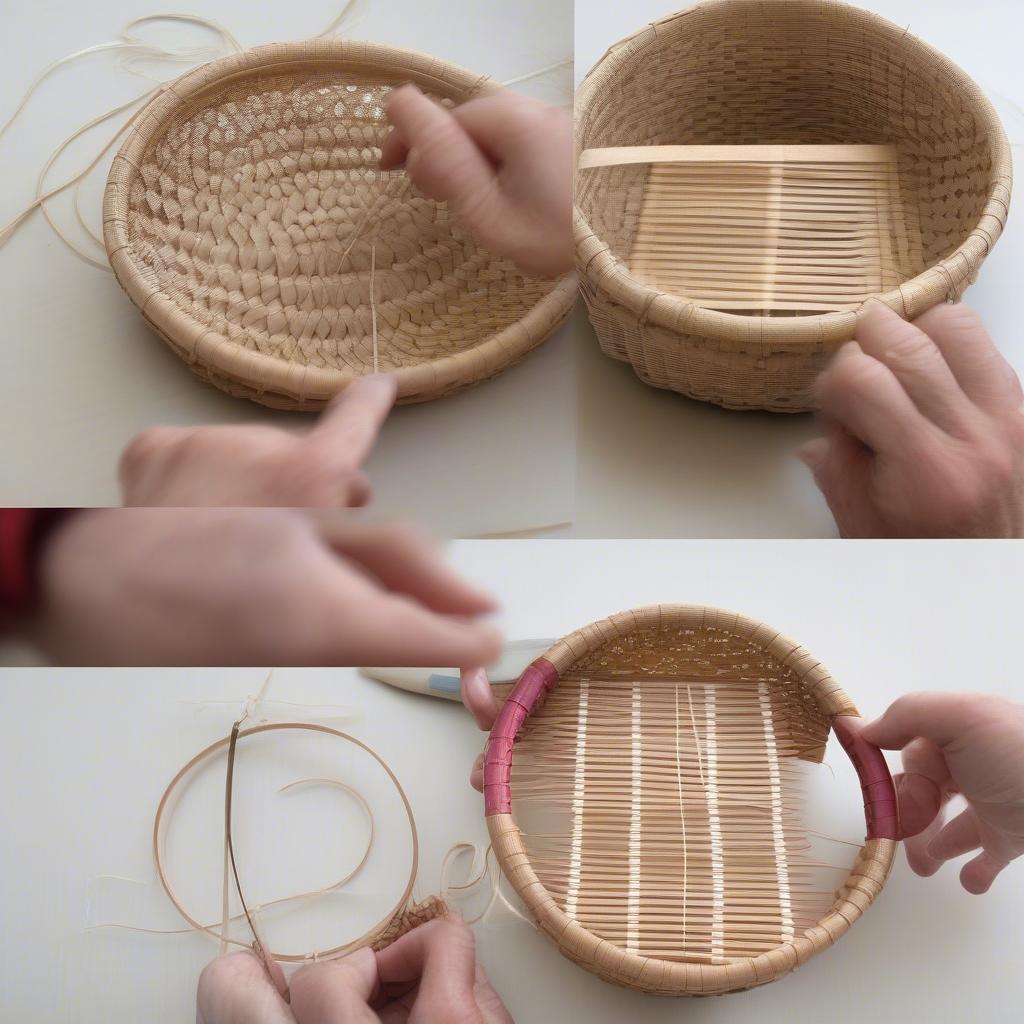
column 247, row 218
column 733, row 280
column 656, row 754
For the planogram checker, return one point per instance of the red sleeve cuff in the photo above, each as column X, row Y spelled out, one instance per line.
column 22, row 532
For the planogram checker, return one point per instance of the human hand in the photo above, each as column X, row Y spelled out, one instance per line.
column 251, row 587
column 957, row 743
column 925, row 430
column 504, row 164
column 259, row 465
column 429, row 976
column 480, row 701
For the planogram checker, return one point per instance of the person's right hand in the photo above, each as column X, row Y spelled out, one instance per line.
column 924, row 430
column 503, row 162
column 255, row 465
column 958, row 743
column 251, row 587
column 429, row 976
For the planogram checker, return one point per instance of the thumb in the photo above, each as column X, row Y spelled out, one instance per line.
column 337, row 991
column 478, row 696
column 919, row 800
column 813, row 454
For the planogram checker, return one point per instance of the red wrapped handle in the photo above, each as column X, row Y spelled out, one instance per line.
column 540, row 677
column 880, row 810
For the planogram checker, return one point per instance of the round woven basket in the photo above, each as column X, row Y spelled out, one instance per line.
column 246, row 216
column 778, row 72
column 598, row 728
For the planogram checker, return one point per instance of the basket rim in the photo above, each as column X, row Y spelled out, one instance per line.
column 867, row 874
column 937, row 283
column 265, row 373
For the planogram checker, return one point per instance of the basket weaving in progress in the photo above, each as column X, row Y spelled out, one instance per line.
column 246, row 216
column 658, row 752
column 750, row 173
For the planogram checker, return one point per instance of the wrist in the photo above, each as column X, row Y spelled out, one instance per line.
column 24, row 533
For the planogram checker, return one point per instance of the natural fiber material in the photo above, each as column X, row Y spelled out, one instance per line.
column 776, row 73
column 247, row 218
column 656, row 761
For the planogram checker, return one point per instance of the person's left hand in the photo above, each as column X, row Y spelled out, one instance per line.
column 429, row 976
column 259, row 465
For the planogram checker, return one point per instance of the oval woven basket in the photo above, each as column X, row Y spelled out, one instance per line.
column 792, row 73
column 659, row 751
column 246, row 216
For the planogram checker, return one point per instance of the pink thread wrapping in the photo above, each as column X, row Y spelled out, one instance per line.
column 537, row 679
column 880, row 810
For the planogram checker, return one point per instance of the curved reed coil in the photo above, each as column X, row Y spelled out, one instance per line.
column 732, row 279
column 656, row 754
column 246, row 216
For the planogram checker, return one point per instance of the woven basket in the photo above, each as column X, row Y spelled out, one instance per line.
column 781, row 73
column 246, row 217
column 605, row 729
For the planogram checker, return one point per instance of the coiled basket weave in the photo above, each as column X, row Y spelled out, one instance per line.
column 911, row 228
column 246, row 216
column 656, row 753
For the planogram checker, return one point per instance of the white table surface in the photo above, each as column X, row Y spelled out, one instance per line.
column 655, row 464
column 85, row 754
column 80, row 373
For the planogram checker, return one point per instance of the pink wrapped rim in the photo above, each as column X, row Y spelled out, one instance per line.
column 540, row 677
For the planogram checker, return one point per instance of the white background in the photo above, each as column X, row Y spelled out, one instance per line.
column 84, row 756
column 80, row 373
column 654, row 464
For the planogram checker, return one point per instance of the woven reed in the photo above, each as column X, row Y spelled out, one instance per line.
column 620, row 904
column 245, row 215
column 778, row 72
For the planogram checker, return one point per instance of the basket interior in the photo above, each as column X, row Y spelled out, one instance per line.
column 795, row 72
column 658, row 793
column 260, row 211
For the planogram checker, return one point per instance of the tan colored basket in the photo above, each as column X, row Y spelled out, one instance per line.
column 246, row 217
column 781, row 73
column 654, row 749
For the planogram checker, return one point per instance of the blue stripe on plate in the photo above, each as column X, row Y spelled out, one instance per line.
column 443, row 684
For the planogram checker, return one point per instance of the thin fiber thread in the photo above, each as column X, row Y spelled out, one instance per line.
column 665, row 849
column 405, row 915
column 779, row 73
column 246, row 216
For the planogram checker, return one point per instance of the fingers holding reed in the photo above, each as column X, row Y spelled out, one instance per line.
column 235, row 989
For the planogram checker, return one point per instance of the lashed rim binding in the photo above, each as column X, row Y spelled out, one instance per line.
column 612, row 962
column 248, row 373
column 944, row 279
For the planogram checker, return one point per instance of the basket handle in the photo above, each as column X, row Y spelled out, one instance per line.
column 537, row 679
column 880, row 807
column 540, row 676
